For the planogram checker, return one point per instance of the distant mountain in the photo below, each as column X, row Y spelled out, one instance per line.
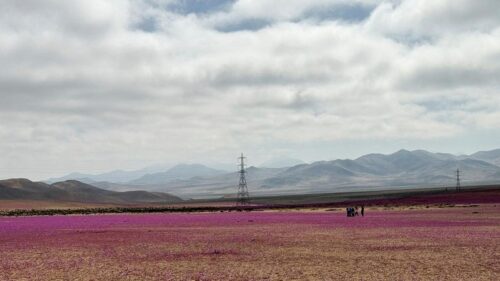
column 86, row 178
column 75, row 191
column 117, row 176
column 372, row 171
column 179, row 172
column 210, row 186
column 402, row 168
column 492, row 156
column 397, row 162
column 281, row 162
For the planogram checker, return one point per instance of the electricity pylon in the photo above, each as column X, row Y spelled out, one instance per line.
column 243, row 196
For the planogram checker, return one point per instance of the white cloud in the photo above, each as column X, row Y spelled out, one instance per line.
column 420, row 19
column 83, row 88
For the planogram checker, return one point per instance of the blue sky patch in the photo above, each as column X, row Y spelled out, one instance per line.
column 349, row 13
column 147, row 25
column 199, row 6
column 248, row 24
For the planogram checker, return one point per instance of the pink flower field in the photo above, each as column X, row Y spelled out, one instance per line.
column 460, row 243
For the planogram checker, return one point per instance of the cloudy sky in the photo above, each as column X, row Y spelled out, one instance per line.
column 92, row 85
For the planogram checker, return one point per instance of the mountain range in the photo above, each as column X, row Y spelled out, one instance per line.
column 402, row 169
column 418, row 168
column 159, row 174
column 179, row 172
column 281, row 162
column 116, row 176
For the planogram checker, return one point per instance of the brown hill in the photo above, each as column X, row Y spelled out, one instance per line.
column 75, row 191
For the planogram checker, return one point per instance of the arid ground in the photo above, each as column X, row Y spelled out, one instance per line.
column 460, row 242
column 6, row 205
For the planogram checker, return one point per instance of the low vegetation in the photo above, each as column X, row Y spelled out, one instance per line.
column 423, row 244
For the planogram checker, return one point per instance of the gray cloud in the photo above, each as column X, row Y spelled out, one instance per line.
column 423, row 19
column 93, row 86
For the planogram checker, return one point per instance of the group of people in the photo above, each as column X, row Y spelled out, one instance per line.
column 353, row 211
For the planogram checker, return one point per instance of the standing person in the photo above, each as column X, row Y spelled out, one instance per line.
column 362, row 210
column 347, row 211
column 356, row 211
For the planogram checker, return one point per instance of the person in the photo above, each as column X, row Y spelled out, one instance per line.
column 362, row 210
column 347, row 211
column 356, row 211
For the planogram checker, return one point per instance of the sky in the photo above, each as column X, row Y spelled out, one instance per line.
column 93, row 86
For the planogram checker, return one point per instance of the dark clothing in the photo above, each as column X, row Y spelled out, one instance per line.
column 351, row 211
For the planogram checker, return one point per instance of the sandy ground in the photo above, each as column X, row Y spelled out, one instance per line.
column 6, row 205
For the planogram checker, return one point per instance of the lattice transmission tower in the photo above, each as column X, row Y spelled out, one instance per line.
column 243, row 196
column 458, row 180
